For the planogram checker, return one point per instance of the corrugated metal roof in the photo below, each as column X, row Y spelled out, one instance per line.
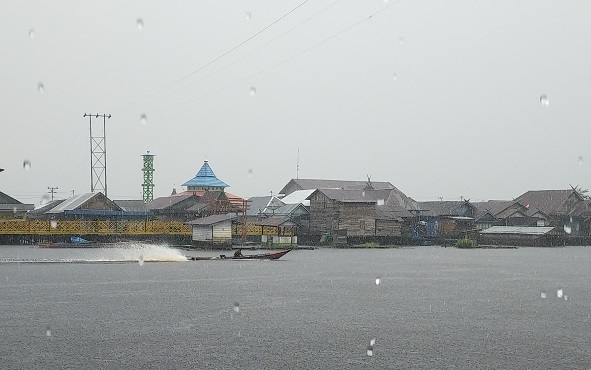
column 547, row 201
column 304, row 184
column 205, row 177
column 298, row 196
column 132, row 205
column 211, row 220
column 165, row 202
column 518, row 230
column 495, row 207
column 6, row 199
column 74, row 202
column 257, row 205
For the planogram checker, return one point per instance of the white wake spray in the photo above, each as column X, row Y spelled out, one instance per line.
column 142, row 252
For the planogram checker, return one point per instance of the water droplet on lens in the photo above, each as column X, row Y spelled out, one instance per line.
column 26, row 165
column 394, row 76
column 53, row 224
column 143, row 119
column 370, row 351
column 580, row 159
column 378, row 281
column 567, row 228
column 41, row 87
column 31, row 33
column 401, row 40
column 544, row 100
column 543, row 295
column 140, row 24
column 250, row 172
column 253, row 91
column 559, row 293
column 141, row 260
column 236, row 307
column 48, row 331
column 248, row 16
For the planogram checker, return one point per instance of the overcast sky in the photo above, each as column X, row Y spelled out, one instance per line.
column 441, row 98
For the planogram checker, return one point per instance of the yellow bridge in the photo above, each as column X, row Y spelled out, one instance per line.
column 123, row 228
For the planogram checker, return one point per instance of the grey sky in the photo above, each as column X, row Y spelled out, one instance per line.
column 462, row 117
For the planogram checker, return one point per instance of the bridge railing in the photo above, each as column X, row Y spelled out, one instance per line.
column 59, row 227
column 53, row 227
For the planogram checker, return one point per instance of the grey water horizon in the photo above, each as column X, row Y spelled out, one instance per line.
column 401, row 308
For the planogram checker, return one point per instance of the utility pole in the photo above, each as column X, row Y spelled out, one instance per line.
column 98, row 155
column 52, row 191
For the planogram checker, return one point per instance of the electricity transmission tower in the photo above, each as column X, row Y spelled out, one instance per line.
column 98, row 154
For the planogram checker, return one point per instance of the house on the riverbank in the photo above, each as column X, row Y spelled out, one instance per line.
column 350, row 216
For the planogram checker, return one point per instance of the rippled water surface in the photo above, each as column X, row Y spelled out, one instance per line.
column 425, row 307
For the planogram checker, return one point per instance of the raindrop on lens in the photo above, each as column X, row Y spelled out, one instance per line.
column 143, row 119
column 141, row 260
column 250, row 172
column 47, row 331
column 40, row 87
column 26, row 165
column 580, row 160
column 140, row 24
column 394, row 76
column 544, row 100
column 559, row 293
column 401, row 40
column 543, row 295
column 248, row 16
column 31, row 33
column 253, row 91
column 370, row 351
column 236, row 307
column 53, row 224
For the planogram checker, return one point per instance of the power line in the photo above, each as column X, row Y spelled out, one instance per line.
column 273, row 66
column 250, row 53
column 223, row 54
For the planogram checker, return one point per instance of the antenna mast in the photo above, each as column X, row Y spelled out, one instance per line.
column 298, row 165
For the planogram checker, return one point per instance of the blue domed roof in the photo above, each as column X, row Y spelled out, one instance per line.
column 205, row 177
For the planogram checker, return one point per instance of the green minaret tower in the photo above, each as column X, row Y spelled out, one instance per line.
column 148, row 170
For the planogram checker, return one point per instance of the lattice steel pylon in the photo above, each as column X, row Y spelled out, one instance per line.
column 148, row 170
column 98, row 155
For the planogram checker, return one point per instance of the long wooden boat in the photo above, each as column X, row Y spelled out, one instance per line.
column 261, row 256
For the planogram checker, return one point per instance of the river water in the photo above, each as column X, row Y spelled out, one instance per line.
column 422, row 308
